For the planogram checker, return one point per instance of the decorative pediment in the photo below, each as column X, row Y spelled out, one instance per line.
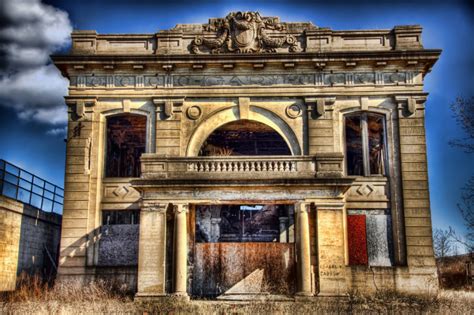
column 244, row 32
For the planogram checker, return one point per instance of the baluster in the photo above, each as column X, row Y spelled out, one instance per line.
column 206, row 166
column 293, row 166
column 270, row 166
column 264, row 164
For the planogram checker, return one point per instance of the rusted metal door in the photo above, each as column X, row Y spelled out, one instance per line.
column 243, row 268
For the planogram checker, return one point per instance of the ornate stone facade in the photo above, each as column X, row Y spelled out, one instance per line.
column 349, row 206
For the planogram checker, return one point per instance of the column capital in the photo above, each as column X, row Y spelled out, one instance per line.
column 166, row 106
column 330, row 206
column 317, row 105
column 154, row 207
column 180, row 208
column 301, row 207
column 407, row 104
column 79, row 106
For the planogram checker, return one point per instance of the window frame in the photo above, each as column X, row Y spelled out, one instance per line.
column 363, row 116
column 149, row 135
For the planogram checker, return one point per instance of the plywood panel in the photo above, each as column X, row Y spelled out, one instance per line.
column 243, row 268
column 357, row 240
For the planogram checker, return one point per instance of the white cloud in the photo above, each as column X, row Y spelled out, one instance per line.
column 29, row 32
column 32, row 88
column 57, row 132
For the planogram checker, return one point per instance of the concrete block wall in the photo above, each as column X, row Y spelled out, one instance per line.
column 27, row 235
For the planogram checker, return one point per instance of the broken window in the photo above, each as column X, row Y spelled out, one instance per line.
column 244, row 223
column 244, row 137
column 369, row 236
column 365, row 144
column 126, row 141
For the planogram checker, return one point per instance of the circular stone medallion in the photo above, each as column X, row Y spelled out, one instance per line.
column 193, row 112
column 293, row 111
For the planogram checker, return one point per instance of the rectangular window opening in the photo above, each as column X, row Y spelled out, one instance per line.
column 117, row 217
column 244, row 223
column 354, row 151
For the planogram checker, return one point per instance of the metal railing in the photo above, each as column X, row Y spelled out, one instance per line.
column 27, row 188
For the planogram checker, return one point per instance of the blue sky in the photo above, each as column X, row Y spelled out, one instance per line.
column 38, row 145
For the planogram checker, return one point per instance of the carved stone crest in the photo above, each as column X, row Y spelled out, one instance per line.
column 244, row 32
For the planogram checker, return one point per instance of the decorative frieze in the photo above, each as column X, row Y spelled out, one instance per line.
column 154, row 81
column 241, row 80
column 315, row 79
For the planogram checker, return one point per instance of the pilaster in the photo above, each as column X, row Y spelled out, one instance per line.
column 331, row 260
column 152, row 250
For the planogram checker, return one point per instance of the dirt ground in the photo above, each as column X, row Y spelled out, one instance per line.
column 446, row 302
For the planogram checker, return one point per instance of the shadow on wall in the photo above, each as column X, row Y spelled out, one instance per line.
column 30, row 242
column 40, row 234
column 115, row 244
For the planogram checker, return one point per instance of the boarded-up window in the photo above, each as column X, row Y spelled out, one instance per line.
column 119, row 234
column 244, row 223
column 365, row 144
column 244, row 137
column 126, row 141
column 369, row 238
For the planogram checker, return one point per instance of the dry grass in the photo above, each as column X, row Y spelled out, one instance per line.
column 452, row 272
column 34, row 289
column 101, row 297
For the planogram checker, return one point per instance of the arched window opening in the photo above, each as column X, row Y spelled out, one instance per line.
column 365, row 144
column 244, row 137
column 126, row 141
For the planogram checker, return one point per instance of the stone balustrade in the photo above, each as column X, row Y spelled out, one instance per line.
column 237, row 167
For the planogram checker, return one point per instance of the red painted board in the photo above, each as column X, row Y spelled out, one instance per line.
column 357, row 238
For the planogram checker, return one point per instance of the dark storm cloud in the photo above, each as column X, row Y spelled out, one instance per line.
column 29, row 32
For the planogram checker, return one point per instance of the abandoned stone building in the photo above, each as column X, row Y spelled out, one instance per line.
column 248, row 156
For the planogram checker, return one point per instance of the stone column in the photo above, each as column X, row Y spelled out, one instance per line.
column 180, row 250
column 303, row 251
column 331, row 262
column 152, row 250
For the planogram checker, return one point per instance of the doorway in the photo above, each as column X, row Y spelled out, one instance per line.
column 243, row 250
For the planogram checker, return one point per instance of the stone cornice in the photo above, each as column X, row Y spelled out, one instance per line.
column 382, row 61
column 314, row 57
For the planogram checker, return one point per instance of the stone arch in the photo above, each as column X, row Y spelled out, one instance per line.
column 232, row 114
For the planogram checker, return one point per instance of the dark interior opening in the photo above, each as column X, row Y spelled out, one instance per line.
column 244, row 137
column 126, row 140
column 244, row 223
